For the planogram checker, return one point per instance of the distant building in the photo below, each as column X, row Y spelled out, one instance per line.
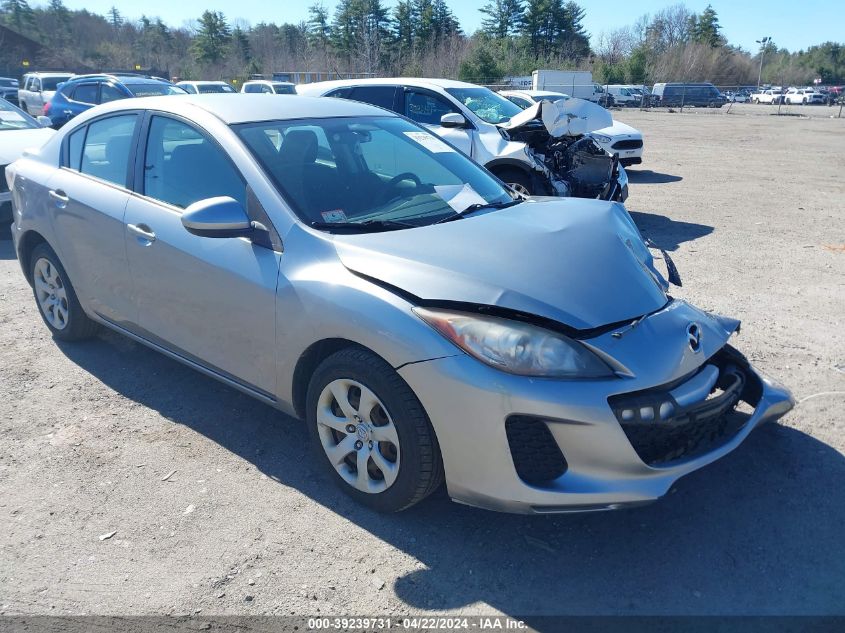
column 18, row 53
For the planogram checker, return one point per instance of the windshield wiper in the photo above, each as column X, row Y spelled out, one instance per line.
column 366, row 226
column 478, row 207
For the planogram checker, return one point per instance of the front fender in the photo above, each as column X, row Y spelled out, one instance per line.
column 319, row 299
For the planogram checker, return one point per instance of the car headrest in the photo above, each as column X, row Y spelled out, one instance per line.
column 117, row 149
column 299, row 147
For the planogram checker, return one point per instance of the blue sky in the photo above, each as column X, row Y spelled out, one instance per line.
column 794, row 25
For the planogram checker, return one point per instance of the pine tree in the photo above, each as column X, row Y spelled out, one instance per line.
column 319, row 30
column 705, row 28
column 212, row 39
column 19, row 15
column 404, row 26
column 115, row 18
column 504, row 18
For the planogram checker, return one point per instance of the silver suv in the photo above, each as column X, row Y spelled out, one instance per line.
column 347, row 266
column 37, row 89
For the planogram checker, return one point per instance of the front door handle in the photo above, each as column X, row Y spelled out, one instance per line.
column 59, row 197
column 142, row 231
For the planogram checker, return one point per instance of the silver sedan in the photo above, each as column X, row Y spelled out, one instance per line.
column 348, row 267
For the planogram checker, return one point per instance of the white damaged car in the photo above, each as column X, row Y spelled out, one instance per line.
column 617, row 138
column 480, row 123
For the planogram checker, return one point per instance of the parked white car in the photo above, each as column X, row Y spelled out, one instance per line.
column 18, row 132
column 803, row 96
column 619, row 138
column 523, row 153
column 263, row 86
column 37, row 90
column 205, row 87
column 770, row 96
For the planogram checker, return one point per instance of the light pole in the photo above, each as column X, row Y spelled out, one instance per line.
column 762, row 44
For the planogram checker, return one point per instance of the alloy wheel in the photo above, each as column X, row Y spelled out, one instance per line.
column 358, row 435
column 51, row 293
column 519, row 188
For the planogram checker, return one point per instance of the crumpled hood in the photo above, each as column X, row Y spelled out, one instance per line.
column 572, row 117
column 14, row 142
column 579, row 262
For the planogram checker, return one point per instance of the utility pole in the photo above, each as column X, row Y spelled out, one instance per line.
column 762, row 44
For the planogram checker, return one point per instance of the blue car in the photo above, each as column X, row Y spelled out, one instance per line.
column 82, row 92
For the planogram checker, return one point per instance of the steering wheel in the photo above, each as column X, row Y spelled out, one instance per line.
column 404, row 176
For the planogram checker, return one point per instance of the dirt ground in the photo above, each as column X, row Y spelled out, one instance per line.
column 753, row 210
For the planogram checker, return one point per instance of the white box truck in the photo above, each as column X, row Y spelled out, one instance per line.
column 575, row 83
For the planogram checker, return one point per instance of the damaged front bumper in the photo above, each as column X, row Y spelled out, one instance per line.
column 529, row 445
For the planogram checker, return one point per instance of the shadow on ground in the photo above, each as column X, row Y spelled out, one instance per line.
column 666, row 232
column 648, row 177
column 758, row 532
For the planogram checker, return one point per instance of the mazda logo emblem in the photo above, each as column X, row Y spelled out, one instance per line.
column 694, row 337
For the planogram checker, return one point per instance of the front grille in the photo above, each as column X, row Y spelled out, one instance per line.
column 4, row 186
column 661, row 430
column 535, row 453
column 630, row 143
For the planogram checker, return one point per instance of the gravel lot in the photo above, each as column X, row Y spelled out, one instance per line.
column 753, row 209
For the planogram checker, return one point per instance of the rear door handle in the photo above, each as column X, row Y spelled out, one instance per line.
column 142, row 231
column 60, row 198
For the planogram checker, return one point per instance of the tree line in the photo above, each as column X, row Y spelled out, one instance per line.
column 416, row 38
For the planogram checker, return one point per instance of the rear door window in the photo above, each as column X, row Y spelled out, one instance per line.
column 107, row 147
column 85, row 93
column 382, row 96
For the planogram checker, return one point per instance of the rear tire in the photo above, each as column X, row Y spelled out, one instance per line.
column 371, row 431
column 56, row 299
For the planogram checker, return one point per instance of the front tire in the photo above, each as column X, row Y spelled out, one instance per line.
column 372, row 432
column 56, row 299
column 517, row 180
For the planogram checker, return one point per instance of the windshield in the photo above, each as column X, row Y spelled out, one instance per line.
column 154, row 90
column 205, row 89
column 486, row 104
column 13, row 119
column 284, row 89
column 368, row 169
column 51, row 83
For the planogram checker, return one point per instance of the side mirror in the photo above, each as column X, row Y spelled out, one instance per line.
column 218, row 217
column 44, row 121
column 453, row 119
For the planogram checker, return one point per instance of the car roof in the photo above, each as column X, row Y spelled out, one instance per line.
column 39, row 73
column 203, row 81
column 413, row 82
column 123, row 79
column 269, row 81
column 247, row 108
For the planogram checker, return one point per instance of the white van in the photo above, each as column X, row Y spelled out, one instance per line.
column 624, row 95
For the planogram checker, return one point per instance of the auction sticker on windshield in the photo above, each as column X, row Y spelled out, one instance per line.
column 336, row 215
column 431, row 143
column 459, row 197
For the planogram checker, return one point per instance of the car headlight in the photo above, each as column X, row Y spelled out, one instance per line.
column 601, row 138
column 515, row 347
